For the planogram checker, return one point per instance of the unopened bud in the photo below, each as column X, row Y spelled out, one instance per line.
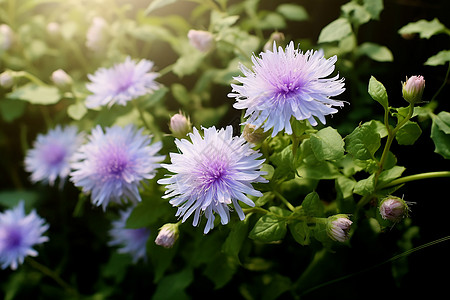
column 393, row 208
column 168, row 235
column 201, row 40
column 179, row 125
column 6, row 80
column 6, row 37
column 338, row 227
column 96, row 34
column 62, row 80
column 254, row 135
column 413, row 89
column 276, row 37
column 53, row 29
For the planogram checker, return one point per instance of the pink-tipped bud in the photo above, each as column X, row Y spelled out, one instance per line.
column 254, row 135
column 6, row 79
column 96, row 34
column 276, row 37
column 6, row 37
column 413, row 89
column 62, row 80
column 168, row 235
column 393, row 208
column 201, row 40
column 53, row 29
column 338, row 227
column 179, row 125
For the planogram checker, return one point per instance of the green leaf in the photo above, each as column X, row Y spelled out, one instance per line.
column 375, row 52
column 188, row 62
column 172, row 286
column 374, row 7
column 11, row 109
column 356, row 13
column 378, row 92
column 391, row 174
column 312, row 205
column 322, row 170
column 155, row 4
column 424, row 28
column 233, row 244
column 293, row 12
column 277, row 285
column 441, row 58
column 335, row 31
column 181, row 94
column 408, row 133
column 268, row 228
column 36, row 94
column 77, row 110
column 366, row 186
column 439, row 136
column 284, row 163
column 300, row 232
column 11, row 199
column 147, row 213
column 363, row 142
column 221, row 270
column 327, row 144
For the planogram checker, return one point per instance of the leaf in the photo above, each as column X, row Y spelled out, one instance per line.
column 77, row 110
column 424, row 28
column 276, row 287
column 323, row 170
column 227, row 268
column 155, row 4
column 146, row 213
column 391, row 174
column 375, row 52
column 335, row 31
column 363, row 142
column 374, row 7
column 378, row 92
column 408, row 133
column 312, row 205
column 441, row 58
column 268, row 229
column 36, row 94
column 365, row 186
column 327, row 144
column 172, row 286
column 300, row 232
column 439, row 136
column 11, row 109
column 233, row 244
column 188, row 62
column 283, row 161
column 356, row 13
column 293, row 12
column 266, row 197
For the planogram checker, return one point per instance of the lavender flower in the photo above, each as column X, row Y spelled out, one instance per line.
column 285, row 84
column 212, row 172
column 132, row 241
column 114, row 163
column 338, row 227
column 167, row 235
column 393, row 208
column 18, row 234
column 121, row 83
column 201, row 40
column 51, row 153
column 412, row 89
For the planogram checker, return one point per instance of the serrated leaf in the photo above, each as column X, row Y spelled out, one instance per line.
column 424, row 28
column 391, row 174
column 335, row 31
column 363, row 142
column 375, row 52
column 312, row 205
column 378, row 92
column 365, row 187
column 293, row 12
column 440, row 138
column 327, row 144
column 441, row 58
column 268, row 229
column 36, row 94
column 408, row 133
column 300, row 232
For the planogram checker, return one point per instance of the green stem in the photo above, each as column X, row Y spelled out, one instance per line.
column 255, row 209
column 30, row 77
column 46, row 271
column 417, row 177
column 284, row 200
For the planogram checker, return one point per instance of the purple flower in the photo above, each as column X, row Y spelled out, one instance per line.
column 212, row 172
column 113, row 164
column 285, row 84
column 18, row 234
column 51, row 153
column 393, row 208
column 412, row 89
column 132, row 241
column 338, row 227
column 121, row 83
column 167, row 235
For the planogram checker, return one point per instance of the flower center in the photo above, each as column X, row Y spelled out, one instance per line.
column 115, row 163
column 212, row 173
column 14, row 238
column 287, row 85
column 54, row 154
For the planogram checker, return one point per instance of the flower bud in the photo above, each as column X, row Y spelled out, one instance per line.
column 6, row 80
column 96, row 34
column 393, row 208
column 179, row 125
column 201, row 40
column 275, row 37
column 254, row 135
column 413, row 89
column 168, row 235
column 62, row 80
column 53, row 29
column 338, row 227
column 6, row 37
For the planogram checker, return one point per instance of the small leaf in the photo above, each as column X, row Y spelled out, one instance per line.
column 443, row 121
column 155, row 4
column 172, row 286
column 11, row 109
column 408, row 133
column 327, row 144
column 268, row 229
column 391, row 174
column 300, row 232
column 235, row 239
column 77, row 110
column 424, row 28
column 36, row 94
column 440, row 138
column 312, row 205
column 374, row 7
column 363, row 142
column 375, row 52
column 441, row 58
column 365, row 186
column 293, row 12
column 335, row 31
column 378, row 92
